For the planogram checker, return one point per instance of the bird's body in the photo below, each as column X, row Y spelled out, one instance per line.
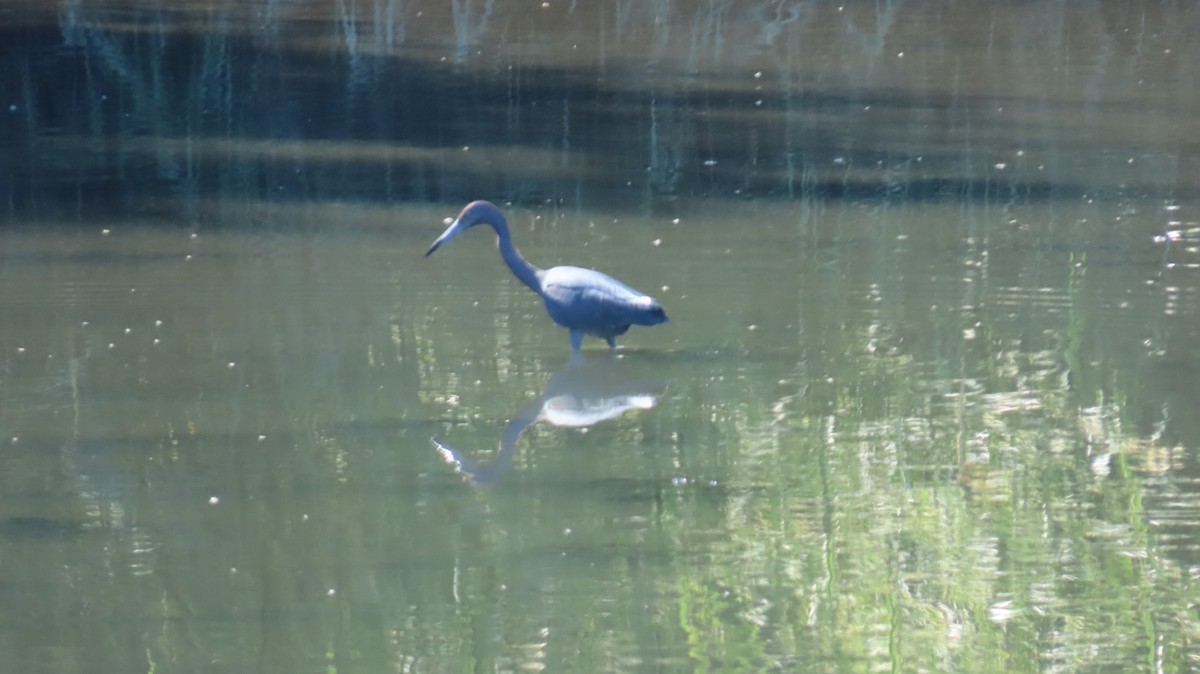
column 584, row 301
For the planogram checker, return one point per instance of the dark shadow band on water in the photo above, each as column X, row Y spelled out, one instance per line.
column 275, row 121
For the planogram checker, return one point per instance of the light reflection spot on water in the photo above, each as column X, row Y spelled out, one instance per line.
column 231, row 365
column 214, row 500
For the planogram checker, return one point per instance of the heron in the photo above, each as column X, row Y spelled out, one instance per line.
column 584, row 301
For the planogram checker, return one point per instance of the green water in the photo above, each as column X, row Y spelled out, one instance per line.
column 926, row 401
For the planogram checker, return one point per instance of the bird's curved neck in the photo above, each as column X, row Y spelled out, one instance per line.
column 520, row 267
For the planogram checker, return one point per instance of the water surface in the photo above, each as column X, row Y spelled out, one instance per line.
column 925, row 402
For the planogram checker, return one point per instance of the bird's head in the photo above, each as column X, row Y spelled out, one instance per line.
column 476, row 213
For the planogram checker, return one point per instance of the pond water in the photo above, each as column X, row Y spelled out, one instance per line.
column 927, row 400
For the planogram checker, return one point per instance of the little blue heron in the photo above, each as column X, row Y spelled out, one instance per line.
column 583, row 301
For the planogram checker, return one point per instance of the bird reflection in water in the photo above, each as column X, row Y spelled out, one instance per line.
column 585, row 391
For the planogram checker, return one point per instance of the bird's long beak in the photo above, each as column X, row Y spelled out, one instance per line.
column 451, row 232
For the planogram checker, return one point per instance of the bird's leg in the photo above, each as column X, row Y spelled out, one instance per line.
column 576, row 340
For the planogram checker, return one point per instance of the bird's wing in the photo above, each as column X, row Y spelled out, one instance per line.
column 590, row 284
column 604, row 298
